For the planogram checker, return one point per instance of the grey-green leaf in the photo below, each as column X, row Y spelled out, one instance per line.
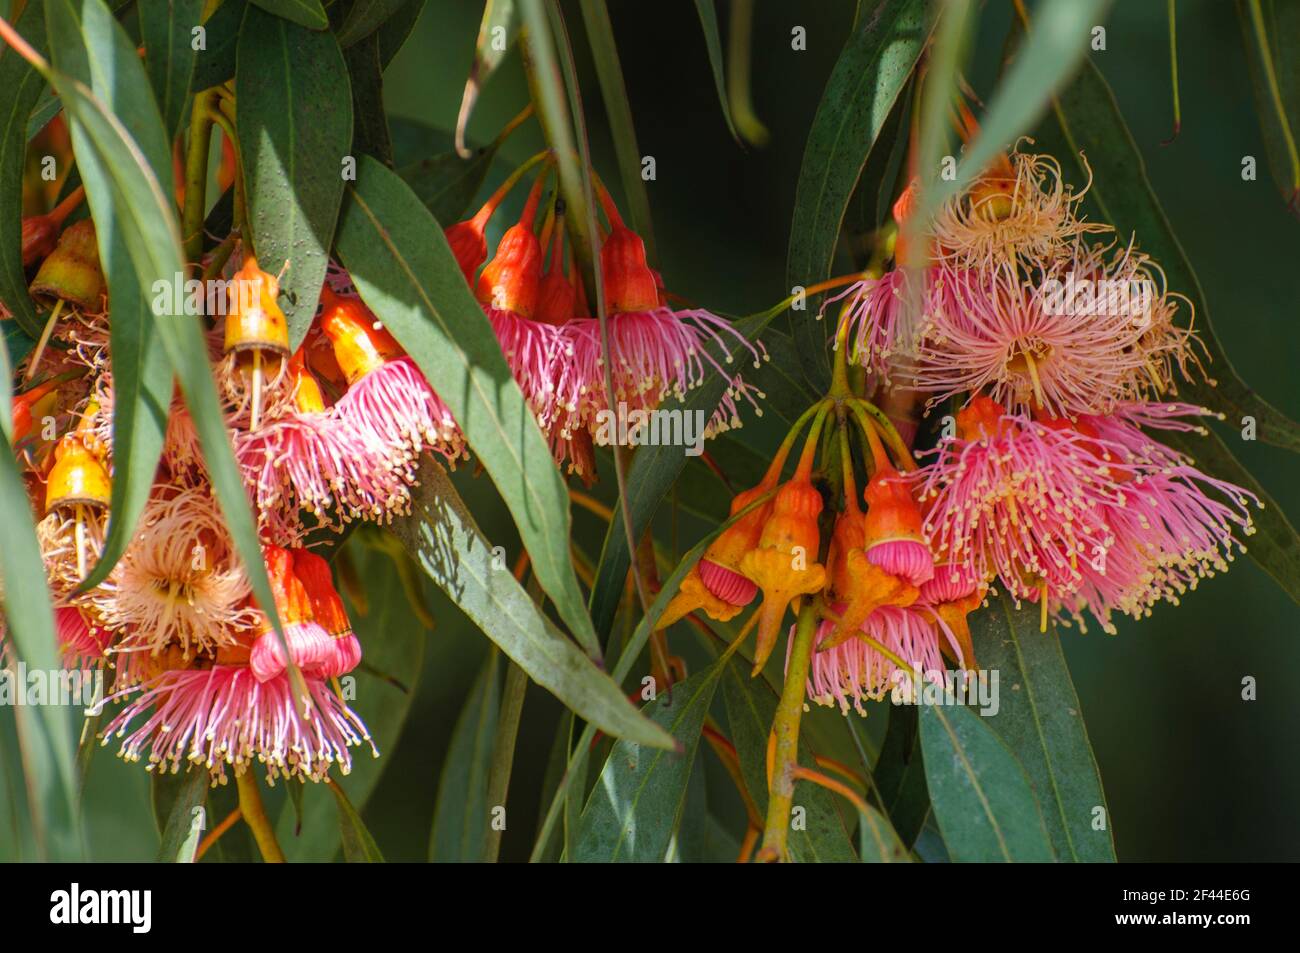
column 460, row 815
column 359, row 846
column 89, row 45
column 400, row 262
column 179, row 806
column 871, row 71
column 751, row 707
column 982, row 799
column 443, row 538
column 307, row 13
column 637, row 802
column 23, row 86
column 1038, row 717
column 295, row 132
column 165, row 26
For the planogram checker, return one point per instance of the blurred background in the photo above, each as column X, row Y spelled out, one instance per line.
column 1191, row 771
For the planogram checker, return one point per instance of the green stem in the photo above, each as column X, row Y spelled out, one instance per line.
column 196, row 176
column 503, row 753
column 785, row 730
column 250, row 805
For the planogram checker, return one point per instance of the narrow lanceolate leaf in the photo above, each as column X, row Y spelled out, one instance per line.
column 215, row 62
column 444, row 539
column 871, row 70
column 396, row 29
column 1038, row 717
column 166, row 27
column 982, row 799
column 1275, row 545
column 89, row 45
column 636, row 805
column 447, row 184
column 365, row 17
column 358, row 846
column 179, row 806
column 295, row 133
column 308, row 13
column 460, row 815
column 1121, row 193
column 751, row 707
column 1271, row 32
column 393, row 641
column 44, row 731
column 22, row 85
column 400, row 262
column 121, row 187
column 1054, row 46
column 709, row 21
column 495, row 34
column 613, row 90
column 370, row 133
column 653, row 472
column 622, row 668
column 899, row 774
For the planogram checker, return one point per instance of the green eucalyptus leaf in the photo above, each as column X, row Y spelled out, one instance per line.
column 496, row 33
column 178, row 801
column 215, row 63
column 1271, row 33
column 448, row 545
column 358, row 846
column 713, row 42
column 636, row 805
column 460, row 815
column 364, row 18
column 24, row 85
column 165, row 26
column 751, row 709
column 899, row 775
column 982, row 799
column 872, row 69
column 447, row 184
column 1038, row 716
column 89, row 45
column 370, row 133
column 400, row 262
column 397, row 28
column 295, row 130
column 306, row 13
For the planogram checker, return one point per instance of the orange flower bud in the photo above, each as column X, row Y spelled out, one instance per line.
column 254, row 319
column 468, row 246
column 78, row 477
column 318, row 583
column 980, row 419
column 71, row 272
column 894, row 540
column 785, row 563
column 307, row 397
column 692, row 596
column 511, row 280
column 292, row 603
column 40, row 235
column 24, row 404
column 954, row 614
column 361, row 343
column 630, row 284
